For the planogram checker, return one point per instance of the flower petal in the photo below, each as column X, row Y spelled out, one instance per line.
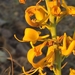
column 38, row 49
column 69, row 50
column 72, row 72
column 30, row 35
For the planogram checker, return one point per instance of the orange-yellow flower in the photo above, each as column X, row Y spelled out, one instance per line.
column 72, row 72
column 22, row 1
column 54, row 8
column 39, row 13
column 42, row 63
column 70, row 10
column 31, row 35
column 67, row 50
column 56, row 11
column 33, row 52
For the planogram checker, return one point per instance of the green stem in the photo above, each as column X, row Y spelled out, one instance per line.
column 57, row 62
column 52, row 29
column 57, row 52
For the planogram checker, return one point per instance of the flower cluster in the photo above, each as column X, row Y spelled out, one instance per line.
column 59, row 47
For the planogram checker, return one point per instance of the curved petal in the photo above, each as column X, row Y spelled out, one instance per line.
column 64, row 42
column 40, row 14
column 38, row 49
column 29, row 21
column 43, row 37
column 71, row 10
column 30, row 35
column 18, row 39
column 30, row 55
column 28, row 14
column 51, row 60
column 69, row 50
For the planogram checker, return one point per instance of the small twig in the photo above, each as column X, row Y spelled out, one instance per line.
column 14, row 61
column 64, row 65
column 39, row 2
column 7, row 70
column 12, row 72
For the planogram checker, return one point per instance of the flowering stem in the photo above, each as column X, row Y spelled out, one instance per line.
column 57, row 62
column 52, row 29
column 57, row 66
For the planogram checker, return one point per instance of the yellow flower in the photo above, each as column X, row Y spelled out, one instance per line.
column 72, row 72
column 55, row 7
column 22, row 1
column 37, row 51
column 31, row 35
column 67, row 50
column 39, row 13
column 70, row 10
column 56, row 11
column 33, row 52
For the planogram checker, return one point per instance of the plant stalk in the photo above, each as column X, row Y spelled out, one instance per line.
column 52, row 29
